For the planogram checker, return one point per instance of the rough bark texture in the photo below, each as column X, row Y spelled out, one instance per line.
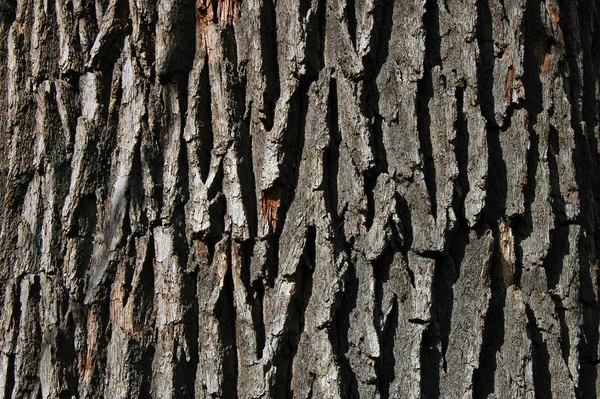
column 299, row 198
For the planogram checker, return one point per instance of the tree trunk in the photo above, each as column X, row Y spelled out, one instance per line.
column 299, row 198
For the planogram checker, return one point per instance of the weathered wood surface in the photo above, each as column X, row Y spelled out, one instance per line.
column 299, row 198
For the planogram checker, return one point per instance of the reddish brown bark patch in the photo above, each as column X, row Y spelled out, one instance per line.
column 219, row 11
column 547, row 62
column 269, row 204
column 510, row 76
column 554, row 16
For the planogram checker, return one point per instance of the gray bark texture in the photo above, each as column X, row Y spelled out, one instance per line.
column 299, row 198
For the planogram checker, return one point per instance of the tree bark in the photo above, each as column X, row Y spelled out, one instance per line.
column 299, row 198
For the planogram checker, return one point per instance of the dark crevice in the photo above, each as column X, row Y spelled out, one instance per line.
column 143, row 297
column 152, row 155
column 534, row 43
column 68, row 355
column 106, row 92
column 180, row 244
column 386, row 363
column 218, row 210
column 225, row 315
column 565, row 347
column 185, row 366
column 436, row 336
column 541, row 358
column 307, row 268
column 447, row 272
column 379, row 150
column 338, row 333
column 284, row 192
column 493, row 331
column 258, row 320
column 128, row 273
column 369, row 99
column 588, row 344
column 461, row 152
column 126, row 228
column 322, row 23
column 304, row 6
column 185, row 369
column 496, row 182
column 85, row 218
column 332, row 153
column 245, row 172
column 433, row 40
column 114, row 40
column 430, row 363
column 351, row 20
column 144, row 49
column 136, row 193
column 182, row 156
column 523, row 225
column 292, row 146
column 559, row 248
column 424, row 95
column 590, row 24
column 283, row 359
column 407, row 268
column 204, row 114
column 104, row 264
column 373, row 61
column 558, row 203
column 271, row 266
column 486, row 61
column 581, row 98
column 270, row 59
column 179, row 58
column 143, row 291
column 535, row 47
column 146, row 368
column 254, row 296
column 18, row 183
column 589, row 246
column 10, row 377
column 315, row 39
column 8, row 12
column 404, row 213
column 369, row 184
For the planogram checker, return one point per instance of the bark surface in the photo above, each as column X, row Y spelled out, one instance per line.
column 299, row 198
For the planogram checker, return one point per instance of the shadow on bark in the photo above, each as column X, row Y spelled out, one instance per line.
column 541, row 358
column 338, row 333
column 385, row 364
column 225, row 315
column 425, row 94
column 284, row 359
column 461, row 152
column 580, row 90
column 369, row 100
column 496, row 182
column 493, row 332
column 270, row 59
